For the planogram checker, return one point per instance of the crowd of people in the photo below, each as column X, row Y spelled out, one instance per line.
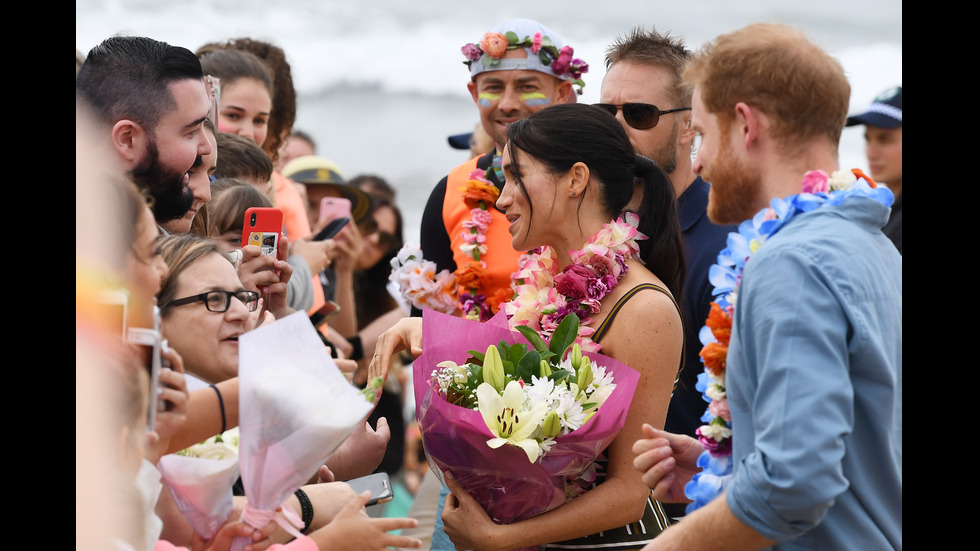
column 692, row 164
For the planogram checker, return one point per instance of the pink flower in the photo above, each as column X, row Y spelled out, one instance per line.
column 564, row 60
column 472, row 52
column 536, row 43
column 719, row 408
column 573, row 282
column 816, row 181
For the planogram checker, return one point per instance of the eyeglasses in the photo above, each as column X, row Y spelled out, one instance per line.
column 641, row 116
column 220, row 301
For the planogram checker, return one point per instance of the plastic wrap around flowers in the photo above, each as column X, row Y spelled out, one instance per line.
column 818, row 189
column 541, row 422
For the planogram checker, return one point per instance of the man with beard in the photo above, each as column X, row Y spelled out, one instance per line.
column 152, row 100
column 644, row 90
column 811, row 385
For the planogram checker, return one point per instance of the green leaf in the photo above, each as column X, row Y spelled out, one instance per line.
column 529, row 365
column 564, row 335
column 532, row 336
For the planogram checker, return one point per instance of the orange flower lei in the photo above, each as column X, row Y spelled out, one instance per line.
column 478, row 194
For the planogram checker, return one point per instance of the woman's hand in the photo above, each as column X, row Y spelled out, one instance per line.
column 406, row 334
column 345, row 248
column 274, row 294
column 257, row 270
column 465, row 522
column 362, row 451
column 354, row 530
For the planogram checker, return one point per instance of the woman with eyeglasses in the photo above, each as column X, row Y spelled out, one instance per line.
column 205, row 308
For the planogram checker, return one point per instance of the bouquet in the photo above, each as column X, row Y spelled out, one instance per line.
column 200, row 479
column 296, row 408
column 519, row 424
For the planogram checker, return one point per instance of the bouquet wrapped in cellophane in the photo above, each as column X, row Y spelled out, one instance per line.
column 295, row 408
column 200, row 479
column 544, row 412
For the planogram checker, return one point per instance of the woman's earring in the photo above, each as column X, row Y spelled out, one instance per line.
column 574, row 194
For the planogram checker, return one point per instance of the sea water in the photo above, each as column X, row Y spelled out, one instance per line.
column 381, row 83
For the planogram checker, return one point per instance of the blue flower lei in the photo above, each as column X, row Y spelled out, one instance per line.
column 819, row 190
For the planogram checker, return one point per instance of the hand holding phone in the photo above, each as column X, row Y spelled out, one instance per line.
column 148, row 342
column 334, row 207
column 332, row 228
column 263, row 227
column 379, row 485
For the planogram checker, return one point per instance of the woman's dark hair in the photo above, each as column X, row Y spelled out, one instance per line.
column 232, row 65
column 371, row 297
column 283, row 113
column 564, row 134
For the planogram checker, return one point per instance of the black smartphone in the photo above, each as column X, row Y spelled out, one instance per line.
column 378, row 483
column 329, row 310
column 331, row 228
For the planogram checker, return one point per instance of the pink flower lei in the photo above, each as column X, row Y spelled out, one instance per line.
column 545, row 296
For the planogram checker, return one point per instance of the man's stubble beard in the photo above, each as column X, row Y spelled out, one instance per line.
column 171, row 197
column 735, row 187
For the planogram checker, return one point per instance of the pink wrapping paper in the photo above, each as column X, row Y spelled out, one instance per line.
column 509, row 487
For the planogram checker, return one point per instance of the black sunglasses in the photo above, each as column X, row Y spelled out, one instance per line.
column 220, row 301
column 641, row 116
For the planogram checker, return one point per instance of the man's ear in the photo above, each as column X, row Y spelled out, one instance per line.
column 565, row 91
column 748, row 123
column 686, row 136
column 129, row 140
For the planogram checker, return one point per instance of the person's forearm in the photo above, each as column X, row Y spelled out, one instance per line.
column 346, row 321
column 204, row 415
column 711, row 527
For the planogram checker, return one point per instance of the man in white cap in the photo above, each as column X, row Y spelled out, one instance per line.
column 883, row 135
column 518, row 68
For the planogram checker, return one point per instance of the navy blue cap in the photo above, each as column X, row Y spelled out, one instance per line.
column 460, row 141
column 885, row 111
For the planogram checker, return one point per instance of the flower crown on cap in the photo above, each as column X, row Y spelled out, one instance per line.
column 543, row 56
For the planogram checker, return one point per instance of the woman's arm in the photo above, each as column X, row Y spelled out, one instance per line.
column 204, row 414
column 647, row 335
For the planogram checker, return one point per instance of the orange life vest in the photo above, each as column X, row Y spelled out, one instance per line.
column 501, row 258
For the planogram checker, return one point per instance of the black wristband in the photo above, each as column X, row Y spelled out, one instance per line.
column 357, row 351
column 307, row 506
column 221, row 402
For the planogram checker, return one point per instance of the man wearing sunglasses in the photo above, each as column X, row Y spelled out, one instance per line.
column 644, row 91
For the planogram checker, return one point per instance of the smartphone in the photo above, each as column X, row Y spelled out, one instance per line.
column 148, row 343
column 334, row 207
column 263, row 227
column 377, row 483
column 329, row 310
column 332, row 228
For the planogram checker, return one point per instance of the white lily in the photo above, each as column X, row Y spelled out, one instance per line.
column 508, row 421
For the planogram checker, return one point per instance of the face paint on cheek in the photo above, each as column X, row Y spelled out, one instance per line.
column 535, row 99
column 486, row 98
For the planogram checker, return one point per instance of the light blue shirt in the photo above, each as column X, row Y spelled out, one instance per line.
column 814, row 382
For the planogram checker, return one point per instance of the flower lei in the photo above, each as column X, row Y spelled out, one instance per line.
column 494, row 45
column 819, row 189
column 545, row 297
column 418, row 281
